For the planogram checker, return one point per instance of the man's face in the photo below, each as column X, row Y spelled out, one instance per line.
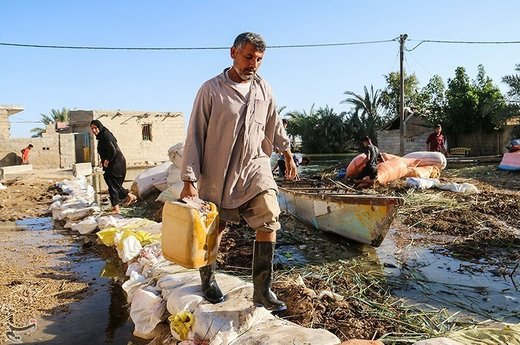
column 246, row 61
column 438, row 130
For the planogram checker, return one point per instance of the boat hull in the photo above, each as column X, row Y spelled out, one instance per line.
column 361, row 218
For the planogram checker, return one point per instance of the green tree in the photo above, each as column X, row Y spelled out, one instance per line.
column 433, row 100
column 56, row 115
column 366, row 117
column 390, row 96
column 461, row 103
column 321, row 131
column 476, row 107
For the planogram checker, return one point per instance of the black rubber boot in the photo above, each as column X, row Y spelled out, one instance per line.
column 263, row 277
column 210, row 287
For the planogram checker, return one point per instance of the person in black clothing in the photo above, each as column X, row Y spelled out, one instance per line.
column 373, row 156
column 114, row 165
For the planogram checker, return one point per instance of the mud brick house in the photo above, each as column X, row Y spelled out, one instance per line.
column 143, row 136
column 51, row 150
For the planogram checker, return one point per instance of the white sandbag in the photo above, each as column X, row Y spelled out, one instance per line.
column 429, row 158
column 275, row 331
column 78, row 187
column 163, row 267
column 459, row 187
column 130, row 248
column 421, row 183
column 86, row 226
column 146, row 310
column 173, row 281
column 185, row 297
column 79, row 213
column 228, row 319
column 143, row 183
column 132, row 284
column 161, row 184
column 2, row 187
column 55, row 208
column 173, row 175
column 109, row 221
column 175, row 154
column 118, row 221
column 134, row 267
column 69, row 224
column 153, row 249
column 172, row 193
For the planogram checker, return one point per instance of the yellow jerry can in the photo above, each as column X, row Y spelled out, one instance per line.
column 189, row 236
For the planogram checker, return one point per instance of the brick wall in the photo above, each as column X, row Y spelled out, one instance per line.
column 488, row 144
column 67, row 150
column 388, row 141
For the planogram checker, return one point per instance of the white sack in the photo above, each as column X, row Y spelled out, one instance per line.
column 175, row 154
column 86, row 226
column 132, row 284
column 131, row 248
column 146, row 310
column 172, row 193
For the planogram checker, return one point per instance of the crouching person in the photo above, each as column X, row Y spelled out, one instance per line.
column 233, row 129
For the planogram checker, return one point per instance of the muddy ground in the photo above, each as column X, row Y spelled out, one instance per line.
column 478, row 227
column 35, row 277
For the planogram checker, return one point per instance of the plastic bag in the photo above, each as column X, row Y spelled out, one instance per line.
column 180, row 323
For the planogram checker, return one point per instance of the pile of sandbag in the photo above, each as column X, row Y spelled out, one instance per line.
column 422, row 164
column 165, row 299
column 165, row 177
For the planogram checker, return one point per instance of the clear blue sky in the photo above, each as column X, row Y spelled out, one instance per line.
column 43, row 79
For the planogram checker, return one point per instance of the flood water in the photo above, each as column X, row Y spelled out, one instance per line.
column 102, row 316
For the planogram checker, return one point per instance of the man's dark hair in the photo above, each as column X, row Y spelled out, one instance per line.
column 285, row 122
column 366, row 138
column 31, row 146
column 438, row 125
column 250, row 37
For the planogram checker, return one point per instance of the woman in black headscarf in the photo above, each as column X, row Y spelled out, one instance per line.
column 114, row 165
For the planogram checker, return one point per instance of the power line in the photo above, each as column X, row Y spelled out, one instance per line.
column 459, row 42
column 23, row 45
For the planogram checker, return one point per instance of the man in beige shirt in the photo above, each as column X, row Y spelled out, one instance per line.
column 233, row 130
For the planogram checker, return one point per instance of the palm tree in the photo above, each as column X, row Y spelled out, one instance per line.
column 514, row 85
column 279, row 110
column 56, row 115
column 321, row 131
column 367, row 110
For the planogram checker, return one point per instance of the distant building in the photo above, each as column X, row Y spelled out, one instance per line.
column 143, row 136
column 416, row 131
column 51, row 150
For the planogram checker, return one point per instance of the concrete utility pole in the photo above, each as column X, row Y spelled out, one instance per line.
column 402, row 38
